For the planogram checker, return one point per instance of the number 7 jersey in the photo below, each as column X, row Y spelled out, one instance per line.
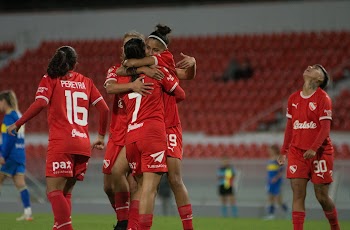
column 69, row 99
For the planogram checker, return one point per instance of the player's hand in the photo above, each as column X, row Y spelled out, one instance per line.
column 309, row 154
column 13, row 129
column 153, row 72
column 186, row 62
column 2, row 161
column 281, row 159
column 142, row 88
column 128, row 63
column 99, row 143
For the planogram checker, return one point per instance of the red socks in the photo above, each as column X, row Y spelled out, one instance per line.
column 61, row 210
column 186, row 216
column 298, row 220
column 332, row 217
column 145, row 221
column 133, row 222
column 121, row 200
column 68, row 197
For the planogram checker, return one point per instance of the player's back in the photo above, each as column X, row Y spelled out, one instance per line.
column 69, row 100
column 145, row 114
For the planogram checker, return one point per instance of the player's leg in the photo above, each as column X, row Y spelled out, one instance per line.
column 299, row 193
column 223, row 199
column 321, row 192
column 270, row 207
column 67, row 191
column 59, row 204
column 321, row 176
column 232, row 200
column 283, row 205
column 3, row 176
column 19, row 181
column 135, row 195
column 149, row 189
column 121, row 189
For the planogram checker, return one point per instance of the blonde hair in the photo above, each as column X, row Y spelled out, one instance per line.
column 10, row 97
column 134, row 34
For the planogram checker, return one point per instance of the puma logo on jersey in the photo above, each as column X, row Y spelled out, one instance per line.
column 158, row 157
column 171, row 148
column 295, row 105
column 320, row 175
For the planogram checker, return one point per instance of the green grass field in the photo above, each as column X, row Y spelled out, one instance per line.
column 105, row 222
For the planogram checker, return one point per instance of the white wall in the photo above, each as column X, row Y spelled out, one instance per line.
column 193, row 20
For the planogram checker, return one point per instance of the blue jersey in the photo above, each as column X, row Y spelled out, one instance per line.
column 12, row 147
column 273, row 169
column 226, row 176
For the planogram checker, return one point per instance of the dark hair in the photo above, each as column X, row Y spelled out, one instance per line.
column 325, row 81
column 162, row 31
column 10, row 97
column 134, row 48
column 64, row 60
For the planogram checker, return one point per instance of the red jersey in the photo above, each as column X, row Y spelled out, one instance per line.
column 146, row 113
column 118, row 126
column 172, row 118
column 69, row 99
column 306, row 113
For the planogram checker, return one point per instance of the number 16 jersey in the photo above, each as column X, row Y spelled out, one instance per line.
column 69, row 98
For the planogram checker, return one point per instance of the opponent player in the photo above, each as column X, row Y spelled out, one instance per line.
column 117, row 185
column 68, row 96
column 146, row 136
column 274, row 183
column 158, row 54
column 309, row 148
column 12, row 151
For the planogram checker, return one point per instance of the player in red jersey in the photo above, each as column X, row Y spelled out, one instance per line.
column 117, row 185
column 146, row 136
column 158, row 54
column 309, row 148
column 68, row 96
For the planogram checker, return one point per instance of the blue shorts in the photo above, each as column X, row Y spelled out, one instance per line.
column 274, row 189
column 11, row 168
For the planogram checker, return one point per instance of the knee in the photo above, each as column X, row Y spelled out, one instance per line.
column 108, row 189
column 175, row 180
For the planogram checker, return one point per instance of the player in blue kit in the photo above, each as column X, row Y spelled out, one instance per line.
column 12, row 151
column 275, row 174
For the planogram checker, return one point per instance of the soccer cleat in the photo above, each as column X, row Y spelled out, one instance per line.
column 25, row 217
column 121, row 225
column 269, row 217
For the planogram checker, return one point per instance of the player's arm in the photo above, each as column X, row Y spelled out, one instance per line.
column 179, row 94
column 150, row 71
column 137, row 86
column 186, row 68
column 146, row 61
column 33, row 110
column 102, row 107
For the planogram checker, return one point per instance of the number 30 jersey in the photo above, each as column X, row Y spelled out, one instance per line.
column 69, row 99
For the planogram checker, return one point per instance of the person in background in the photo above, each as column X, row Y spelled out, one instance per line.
column 308, row 145
column 12, row 151
column 69, row 97
column 275, row 174
column 226, row 175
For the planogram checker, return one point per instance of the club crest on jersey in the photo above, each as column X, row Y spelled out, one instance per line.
column 312, row 106
column 120, row 104
column 293, row 168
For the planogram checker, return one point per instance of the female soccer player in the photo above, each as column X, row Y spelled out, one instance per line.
column 12, row 151
column 158, row 54
column 117, row 185
column 309, row 148
column 146, row 136
column 68, row 95
column 275, row 174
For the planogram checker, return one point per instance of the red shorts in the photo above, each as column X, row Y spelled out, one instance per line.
column 66, row 165
column 319, row 169
column 174, row 142
column 112, row 152
column 147, row 156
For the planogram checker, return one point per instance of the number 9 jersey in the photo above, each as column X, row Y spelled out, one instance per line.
column 69, row 99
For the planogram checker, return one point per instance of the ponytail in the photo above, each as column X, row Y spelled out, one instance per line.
column 63, row 61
